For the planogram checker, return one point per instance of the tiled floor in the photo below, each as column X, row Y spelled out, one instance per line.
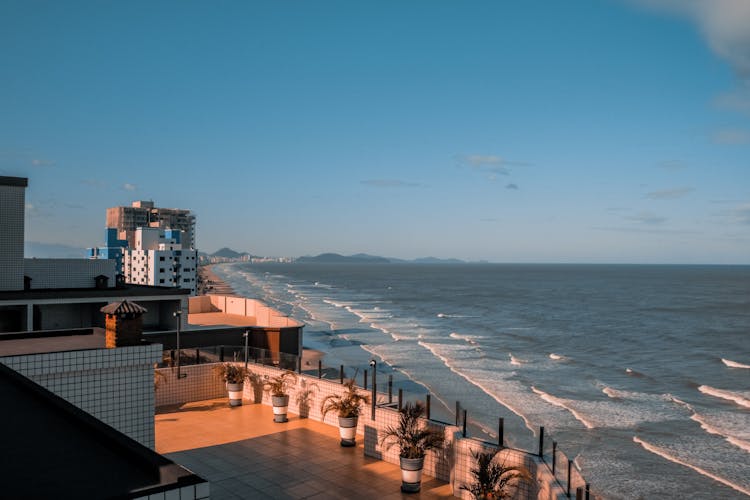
column 244, row 454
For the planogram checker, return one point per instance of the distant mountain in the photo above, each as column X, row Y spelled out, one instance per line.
column 39, row 250
column 334, row 258
column 228, row 253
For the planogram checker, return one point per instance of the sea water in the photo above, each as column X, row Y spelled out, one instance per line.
column 640, row 373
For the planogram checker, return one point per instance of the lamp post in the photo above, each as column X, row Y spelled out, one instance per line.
column 178, row 314
column 374, row 365
column 246, row 335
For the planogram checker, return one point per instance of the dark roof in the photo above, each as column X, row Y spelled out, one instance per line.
column 125, row 290
column 124, row 307
column 57, row 450
column 13, row 181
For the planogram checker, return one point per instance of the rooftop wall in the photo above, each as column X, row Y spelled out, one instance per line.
column 264, row 316
column 68, row 273
column 12, row 204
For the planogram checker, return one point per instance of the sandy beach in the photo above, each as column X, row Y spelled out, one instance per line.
column 213, row 284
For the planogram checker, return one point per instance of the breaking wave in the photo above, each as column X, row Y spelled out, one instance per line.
column 734, row 364
column 728, row 395
column 554, row 400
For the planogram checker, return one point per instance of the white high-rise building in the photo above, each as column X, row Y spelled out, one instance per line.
column 158, row 259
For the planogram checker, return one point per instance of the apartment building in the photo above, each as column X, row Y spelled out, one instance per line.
column 144, row 214
column 158, row 258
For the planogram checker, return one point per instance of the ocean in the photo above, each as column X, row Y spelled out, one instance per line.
column 640, row 373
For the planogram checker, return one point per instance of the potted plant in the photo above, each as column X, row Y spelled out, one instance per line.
column 347, row 406
column 492, row 480
column 234, row 376
column 277, row 387
column 414, row 441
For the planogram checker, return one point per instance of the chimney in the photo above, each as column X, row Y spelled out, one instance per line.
column 124, row 322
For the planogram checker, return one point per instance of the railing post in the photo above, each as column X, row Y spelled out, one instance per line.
column 390, row 389
column 541, row 441
column 400, row 398
column 197, row 356
column 588, row 490
column 554, row 456
column 427, row 401
column 500, row 432
column 320, row 368
column 458, row 409
column 221, row 353
column 464, row 429
column 365, row 376
column 372, row 402
column 579, row 493
column 341, row 373
column 570, row 470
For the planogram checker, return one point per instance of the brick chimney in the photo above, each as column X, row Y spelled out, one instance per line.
column 124, row 321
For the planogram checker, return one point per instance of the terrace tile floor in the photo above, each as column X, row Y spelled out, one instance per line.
column 244, row 454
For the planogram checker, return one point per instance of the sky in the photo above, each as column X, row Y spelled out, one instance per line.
column 602, row 131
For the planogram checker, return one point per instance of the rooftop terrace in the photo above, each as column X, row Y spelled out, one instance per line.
column 244, row 454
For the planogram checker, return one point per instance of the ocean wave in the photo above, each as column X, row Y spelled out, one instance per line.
column 724, row 394
column 515, row 361
column 467, row 338
column 556, row 357
column 554, row 400
column 711, row 428
column 444, row 315
column 734, row 364
column 667, row 456
column 613, row 393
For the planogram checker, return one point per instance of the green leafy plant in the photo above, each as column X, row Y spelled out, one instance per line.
column 493, row 480
column 279, row 384
column 231, row 373
column 347, row 404
column 412, row 438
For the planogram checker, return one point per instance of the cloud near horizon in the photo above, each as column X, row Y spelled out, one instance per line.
column 648, row 218
column 732, row 136
column 129, row 187
column 669, row 194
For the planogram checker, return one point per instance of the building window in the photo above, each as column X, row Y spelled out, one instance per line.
column 161, row 258
column 161, row 280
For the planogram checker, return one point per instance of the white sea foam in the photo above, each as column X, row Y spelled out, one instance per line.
column 723, row 394
column 663, row 453
column 712, row 429
column 556, row 357
column 515, row 361
column 563, row 403
column 467, row 338
column 613, row 393
column 734, row 364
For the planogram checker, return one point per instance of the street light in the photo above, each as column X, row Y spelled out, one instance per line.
column 178, row 314
column 246, row 335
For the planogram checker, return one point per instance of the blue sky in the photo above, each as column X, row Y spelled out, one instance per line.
column 593, row 131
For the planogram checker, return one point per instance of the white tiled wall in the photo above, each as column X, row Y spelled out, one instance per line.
column 68, row 273
column 114, row 385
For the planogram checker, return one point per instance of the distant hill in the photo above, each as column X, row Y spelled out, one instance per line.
column 228, row 253
column 334, row 258
column 39, row 250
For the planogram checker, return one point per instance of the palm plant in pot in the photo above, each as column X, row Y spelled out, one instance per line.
column 277, row 386
column 493, row 480
column 347, row 406
column 234, row 376
column 414, row 441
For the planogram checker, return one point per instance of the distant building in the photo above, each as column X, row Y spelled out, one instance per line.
column 157, row 258
column 144, row 214
column 114, row 249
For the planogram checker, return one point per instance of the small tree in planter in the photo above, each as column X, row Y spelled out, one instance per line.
column 347, row 406
column 234, row 376
column 277, row 386
column 492, row 480
column 414, row 441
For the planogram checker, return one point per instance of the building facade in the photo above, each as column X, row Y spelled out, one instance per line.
column 12, row 204
column 144, row 214
column 158, row 258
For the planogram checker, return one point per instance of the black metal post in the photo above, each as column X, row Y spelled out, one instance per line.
column 221, row 353
column 247, row 345
column 554, row 456
column 365, row 375
column 427, row 401
column 464, row 429
column 570, row 470
column 341, row 373
column 320, row 368
column 579, row 493
column 500, row 432
column 374, row 365
column 541, row 441
column 197, row 356
column 390, row 389
column 372, row 402
column 588, row 490
column 458, row 409
column 400, row 398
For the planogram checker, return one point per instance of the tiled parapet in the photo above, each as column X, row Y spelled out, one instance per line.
column 114, row 385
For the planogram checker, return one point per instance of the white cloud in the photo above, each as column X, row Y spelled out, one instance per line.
column 669, row 194
column 38, row 162
column 724, row 24
column 648, row 218
column 129, row 187
column 731, row 135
